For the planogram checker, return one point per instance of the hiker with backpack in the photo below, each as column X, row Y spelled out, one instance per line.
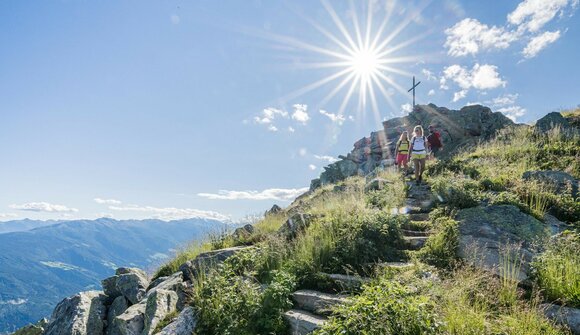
column 419, row 148
column 402, row 150
column 434, row 140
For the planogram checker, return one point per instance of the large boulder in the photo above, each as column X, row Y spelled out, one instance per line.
column 159, row 304
column 565, row 316
column 118, row 307
column 131, row 322
column 550, row 121
column 170, row 283
column 243, row 232
column 295, row 223
column 207, row 260
column 500, row 238
column 83, row 313
column 183, row 325
column 131, row 283
column 561, row 181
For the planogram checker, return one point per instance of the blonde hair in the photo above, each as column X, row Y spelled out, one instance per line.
column 405, row 134
column 418, row 128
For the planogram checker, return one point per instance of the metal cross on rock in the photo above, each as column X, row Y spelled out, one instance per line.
column 413, row 89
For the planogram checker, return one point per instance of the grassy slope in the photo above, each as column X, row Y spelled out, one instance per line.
column 352, row 228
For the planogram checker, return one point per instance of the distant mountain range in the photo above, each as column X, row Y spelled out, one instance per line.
column 41, row 266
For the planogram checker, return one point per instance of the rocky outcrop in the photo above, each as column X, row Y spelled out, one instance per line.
column 183, row 325
column 295, row 223
column 550, row 121
column 131, row 283
column 458, row 128
column 499, row 238
column 565, row 316
column 206, row 260
column 83, row 313
column 130, row 322
column 561, row 181
column 159, row 304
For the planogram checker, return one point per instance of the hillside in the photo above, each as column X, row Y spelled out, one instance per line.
column 488, row 244
column 41, row 266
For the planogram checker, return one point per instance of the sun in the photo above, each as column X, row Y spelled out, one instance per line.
column 363, row 53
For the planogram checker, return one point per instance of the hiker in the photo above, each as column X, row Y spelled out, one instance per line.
column 418, row 150
column 402, row 150
column 434, row 140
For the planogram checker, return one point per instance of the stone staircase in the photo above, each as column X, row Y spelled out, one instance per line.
column 311, row 308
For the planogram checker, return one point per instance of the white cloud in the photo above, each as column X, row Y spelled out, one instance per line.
column 13, row 302
column 428, row 74
column 459, row 95
column 272, row 128
column 336, row 118
column 291, row 130
column 351, row 118
column 407, row 108
column 268, row 194
column 107, row 201
column 532, row 15
column 513, row 112
column 302, row 152
column 329, row 159
column 175, row 19
column 44, row 207
column 268, row 116
column 469, row 36
column 504, row 100
column 540, row 42
column 300, row 113
column 431, row 92
column 312, row 167
column 262, row 120
column 481, row 77
column 271, row 112
column 171, row 213
column 7, row 215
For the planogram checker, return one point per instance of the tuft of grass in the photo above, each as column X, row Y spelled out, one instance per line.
column 557, row 270
column 182, row 256
column 440, row 250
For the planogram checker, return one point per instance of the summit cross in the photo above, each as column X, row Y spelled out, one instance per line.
column 413, row 89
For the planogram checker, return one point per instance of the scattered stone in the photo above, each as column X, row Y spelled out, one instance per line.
column 83, row 313
column 183, row 325
column 415, row 242
column 565, row 316
column 347, row 282
column 488, row 234
column 317, row 302
column 35, row 329
column 118, row 307
column 274, row 210
column 244, row 231
column 296, row 223
column 159, row 304
column 206, row 260
column 302, row 322
column 131, row 322
column 561, row 181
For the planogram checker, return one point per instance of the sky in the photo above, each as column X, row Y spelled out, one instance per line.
column 175, row 109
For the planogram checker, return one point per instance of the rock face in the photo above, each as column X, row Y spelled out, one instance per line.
column 131, row 322
column 128, row 282
column 183, row 325
column 205, row 260
column 494, row 237
column 550, row 120
column 566, row 316
column 83, row 313
column 561, row 181
column 458, row 128
column 159, row 304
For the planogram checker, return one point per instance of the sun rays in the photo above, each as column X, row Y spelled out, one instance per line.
column 363, row 54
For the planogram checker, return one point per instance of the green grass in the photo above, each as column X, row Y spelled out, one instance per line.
column 441, row 248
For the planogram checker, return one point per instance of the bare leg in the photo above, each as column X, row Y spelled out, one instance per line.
column 417, row 164
column 422, row 165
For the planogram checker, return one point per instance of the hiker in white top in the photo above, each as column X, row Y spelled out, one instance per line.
column 418, row 149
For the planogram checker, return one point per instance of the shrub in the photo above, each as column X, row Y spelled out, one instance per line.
column 384, row 307
column 457, row 191
column 557, row 270
column 440, row 250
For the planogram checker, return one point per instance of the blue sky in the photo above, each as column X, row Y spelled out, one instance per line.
column 171, row 109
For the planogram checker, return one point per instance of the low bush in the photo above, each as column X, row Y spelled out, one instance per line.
column 457, row 191
column 557, row 270
column 440, row 250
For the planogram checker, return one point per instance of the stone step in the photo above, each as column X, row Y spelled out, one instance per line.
column 396, row 265
column 317, row 302
column 417, row 209
column 419, row 217
column 302, row 322
column 415, row 242
column 407, row 232
column 347, row 282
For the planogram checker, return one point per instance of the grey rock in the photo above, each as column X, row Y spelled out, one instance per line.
column 274, row 210
column 244, row 231
column 561, row 181
column 317, row 302
column 550, row 121
column 110, row 287
column 118, row 307
column 156, row 282
column 205, row 261
column 295, row 223
column 170, row 283
column 347, row 282
column 565, row 316
column 159, row 304
column 489, row 236
column 302, row 322
column 124, row 271
column 131, row 322
column 184, row 294
column 132, row 285
column 83, row 313
column 415, row 242
column 183, row 325
column 35, row 329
